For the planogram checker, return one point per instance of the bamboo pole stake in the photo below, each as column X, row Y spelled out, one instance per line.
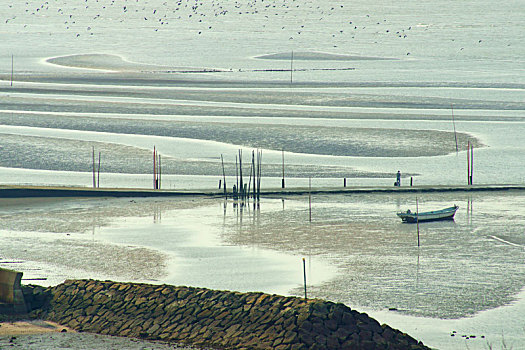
column 160, row 173
column 241, row 182
column 98, row 175
column 154, row 169
column 254, row 175
column 236, row 176
column 259, row 173
column 94, row 180
column 255, row 166
column 310, row 198
column 291, row 69
column 249, row 183
column 282, row 184
column 417, row 221
column 304, row 279
column 471, row 164
column 468, row 163
column 257, row 162
column 223, row 176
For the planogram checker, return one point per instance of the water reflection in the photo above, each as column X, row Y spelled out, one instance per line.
column 157, row 214
column 248, row 208
column 470, row 208
column 417, row 271
column 455, row 272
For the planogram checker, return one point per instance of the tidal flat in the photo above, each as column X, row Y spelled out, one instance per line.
column 345, row 92
column 357, row 252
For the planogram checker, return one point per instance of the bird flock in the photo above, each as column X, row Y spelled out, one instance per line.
column 336, row 23
column 87, row 17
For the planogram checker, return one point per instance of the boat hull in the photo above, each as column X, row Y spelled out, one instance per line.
column 437, row 215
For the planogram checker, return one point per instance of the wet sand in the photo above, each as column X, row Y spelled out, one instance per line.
column 16, row 328
column 112, row 63
column 45, row 335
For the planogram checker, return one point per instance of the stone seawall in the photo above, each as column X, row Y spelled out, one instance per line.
column 218, row 319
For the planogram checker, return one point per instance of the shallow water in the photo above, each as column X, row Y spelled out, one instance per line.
column 357, row 251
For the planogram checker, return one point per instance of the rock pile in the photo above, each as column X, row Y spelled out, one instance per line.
column 210, row 318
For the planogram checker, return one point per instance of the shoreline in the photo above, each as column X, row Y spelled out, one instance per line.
column 14, row 191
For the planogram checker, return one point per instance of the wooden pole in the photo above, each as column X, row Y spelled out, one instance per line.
column 471, row 164
column 417, row 221
column 304, row 278
column 310, row 198
column 260, row 176
column 291, row 69
column 160, row 174
column 236, row 175
column 98, row 175
column 468, row 163
column 254, row 175
column 241, row 183
column 259, row 170
column 223, row 176
column 94, row 180
column 282, row 184
column 249, row 181
column 154, row 169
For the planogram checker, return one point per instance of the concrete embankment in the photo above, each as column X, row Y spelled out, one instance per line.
column 11, row 296
column 8, row 191
column 218, row 319
column 11, row 191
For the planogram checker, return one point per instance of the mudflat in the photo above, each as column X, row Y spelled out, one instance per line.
column 41, row 335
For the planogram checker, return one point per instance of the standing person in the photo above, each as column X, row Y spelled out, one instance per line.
column 398, row 180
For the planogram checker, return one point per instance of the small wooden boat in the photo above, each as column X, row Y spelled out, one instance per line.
column 442, row 214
